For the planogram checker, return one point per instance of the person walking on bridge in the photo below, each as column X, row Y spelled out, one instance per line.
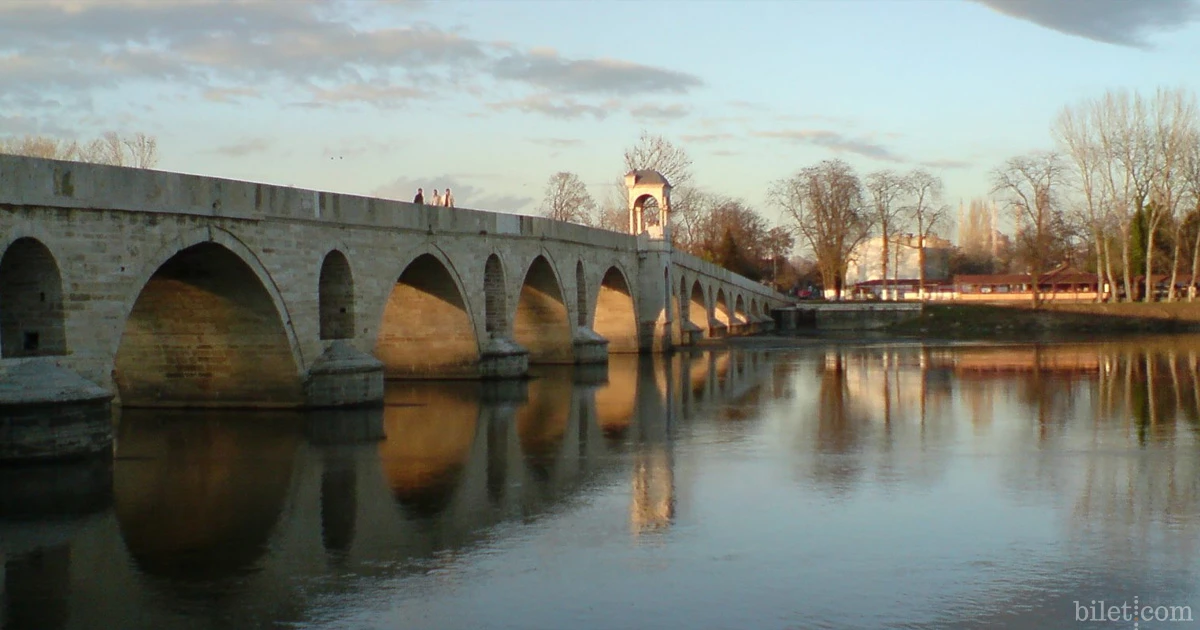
column 437, row 198
column 420, row 198
column 448, row 200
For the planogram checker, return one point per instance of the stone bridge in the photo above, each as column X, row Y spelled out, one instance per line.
column 161, row 289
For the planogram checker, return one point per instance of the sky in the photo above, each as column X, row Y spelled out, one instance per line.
column 492, row 97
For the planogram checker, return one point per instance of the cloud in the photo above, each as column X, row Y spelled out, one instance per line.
column 465, row 195
column 557, row 143
column 377, row 94
column 1120, row 22
column 704, row 138
column 246, row 147
column 947, row 164
column 230, row 95
column 546, row 69
column 315, row 53
column 833, row 141
column 556, row 107
column 360, row 146
column 660, row 112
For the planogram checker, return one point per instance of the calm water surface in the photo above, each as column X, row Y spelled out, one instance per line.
column 889, row 486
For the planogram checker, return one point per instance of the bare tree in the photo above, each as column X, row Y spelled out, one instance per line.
column 142, row 150
column 614, row 207
column 567, row 199
column 655, row 152
column 138, row 150
column 1030, row 184
column 1076, row 130
column 1191, row 176
column 1174, row 129
column 1127, row 167
column 884, row 190
column 826, row 203
column 925, row 212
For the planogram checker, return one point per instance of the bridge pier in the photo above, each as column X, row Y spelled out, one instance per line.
column 49, row 412
column 503, row 358
column 690, row 334
column 342, row 377
column 590, row 347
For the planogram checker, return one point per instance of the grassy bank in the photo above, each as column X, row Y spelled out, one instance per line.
column 1072, row 321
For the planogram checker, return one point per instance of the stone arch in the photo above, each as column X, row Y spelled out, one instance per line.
column 204, row 330
column 541, row 324
column 32, row 321
column 426, row 329
column 698, row 307
column 616, row 317
column 230, row 242
column 581, row 293
column 754, row 307
column 739, row 309
column 335, row 296
column 495, row 297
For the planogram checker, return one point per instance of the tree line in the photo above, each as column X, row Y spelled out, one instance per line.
column 1123, row 185
column 137, row 150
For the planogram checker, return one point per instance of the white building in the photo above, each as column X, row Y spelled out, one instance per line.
column 866, row 261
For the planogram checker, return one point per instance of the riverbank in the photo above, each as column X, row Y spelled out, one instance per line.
column 1058, row 321
column 941, row 322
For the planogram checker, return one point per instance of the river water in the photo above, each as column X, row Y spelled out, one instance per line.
column 867, row 486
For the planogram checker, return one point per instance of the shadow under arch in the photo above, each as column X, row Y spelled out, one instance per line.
column 541, row 323
column 616, row 316
column 430, row 431
column 335, row 297
column 495, row 297
column 205, row 331
column 426, row 330
column 739, row 309
column 32, row 322
column 698, row 311
column 721, row 308
column 198, row 494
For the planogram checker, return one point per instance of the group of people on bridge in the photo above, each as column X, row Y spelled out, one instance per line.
column 446, row 200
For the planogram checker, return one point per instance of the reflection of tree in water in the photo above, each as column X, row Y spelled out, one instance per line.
column 1142, row 486
column 838, row 425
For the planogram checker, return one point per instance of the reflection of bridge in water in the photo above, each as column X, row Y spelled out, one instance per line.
column 232, row 521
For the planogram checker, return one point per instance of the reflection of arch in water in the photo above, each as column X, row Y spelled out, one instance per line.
column 616, row 402
column 542, row 423
column 429, row 432
column 197, row 495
